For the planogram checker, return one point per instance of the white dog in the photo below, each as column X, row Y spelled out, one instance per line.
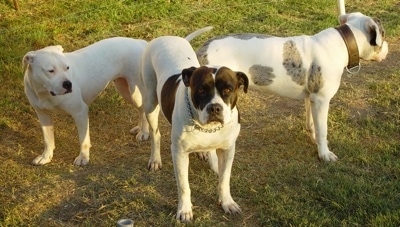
column 302, row 67
column 200, row 104
column 71, row 81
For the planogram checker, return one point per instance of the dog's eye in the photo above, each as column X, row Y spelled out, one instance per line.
column 226, row 91
column 51, row 70
column 201, row 91
column 67, row 67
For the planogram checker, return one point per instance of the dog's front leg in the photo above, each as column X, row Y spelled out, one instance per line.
column 320, row 108
column 46, row 122
column 81, row 118
column 181, row 167
column 225, row 161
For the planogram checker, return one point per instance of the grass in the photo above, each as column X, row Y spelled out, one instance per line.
column 276, row 178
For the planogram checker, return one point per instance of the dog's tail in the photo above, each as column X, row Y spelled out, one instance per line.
column 198, row 32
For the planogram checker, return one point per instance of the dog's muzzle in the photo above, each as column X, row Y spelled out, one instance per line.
column 215, row 113
column 67, row 85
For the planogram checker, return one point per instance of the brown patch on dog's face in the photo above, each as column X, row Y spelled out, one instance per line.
column 214, row 92
column 228, row 82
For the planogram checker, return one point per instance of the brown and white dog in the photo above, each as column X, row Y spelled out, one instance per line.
column 200, row 104
column 302, row 67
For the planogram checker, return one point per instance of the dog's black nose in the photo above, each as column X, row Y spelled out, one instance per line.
column 214, row 109
column 67, row 85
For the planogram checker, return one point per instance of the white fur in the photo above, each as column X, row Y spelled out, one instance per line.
column 326, row 49
column 164, row 57
column 89, row 70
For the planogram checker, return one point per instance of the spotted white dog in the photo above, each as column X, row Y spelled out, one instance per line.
column 200, row 104
column 302, row 67
column 71, row 81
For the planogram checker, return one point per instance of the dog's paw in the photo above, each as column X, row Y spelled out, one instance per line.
column 184, row 215
column 41, row 160
column 81, row 160
column 202, row 156
column 328, row 157
column 135, row 130
column 231, row 207
column 141, row 135
column 154, row 165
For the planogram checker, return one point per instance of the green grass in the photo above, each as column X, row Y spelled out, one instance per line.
column 277, row 178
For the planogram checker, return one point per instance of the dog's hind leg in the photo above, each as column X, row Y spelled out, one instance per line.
column 46, row 122
column 152, row 113
column 309, row 119
column 152, row 110
column 132, row 94
column 213, row 160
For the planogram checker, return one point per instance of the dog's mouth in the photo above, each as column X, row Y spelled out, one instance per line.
column 66, row 92
column 215, row 120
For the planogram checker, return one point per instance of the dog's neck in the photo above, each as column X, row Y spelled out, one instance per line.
column 196, row 125
column 345, row 32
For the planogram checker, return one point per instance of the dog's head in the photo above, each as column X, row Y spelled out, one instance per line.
column 214, row 92
column 369, row 35
column 48, row 68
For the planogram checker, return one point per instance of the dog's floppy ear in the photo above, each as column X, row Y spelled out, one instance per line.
column 343, row 18
column 28, row 58
column 243, row 80
column 375, row 29
column 186, row 74
column 56, row 49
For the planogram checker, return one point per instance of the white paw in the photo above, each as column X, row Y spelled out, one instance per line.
column 42, row 159
column 328, row 157
column 141, row 135
column 135, row 130
column 184, row 214
column 231, row 207
column 154, row 165
column 81, row 160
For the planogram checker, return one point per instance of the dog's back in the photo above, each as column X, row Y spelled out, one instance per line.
column 166, row 56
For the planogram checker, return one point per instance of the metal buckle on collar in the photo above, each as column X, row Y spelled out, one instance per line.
column 354, row 69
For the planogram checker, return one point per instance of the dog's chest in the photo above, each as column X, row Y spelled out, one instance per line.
column 194, row 140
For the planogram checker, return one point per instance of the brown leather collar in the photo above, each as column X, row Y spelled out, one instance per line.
column 351, row 44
